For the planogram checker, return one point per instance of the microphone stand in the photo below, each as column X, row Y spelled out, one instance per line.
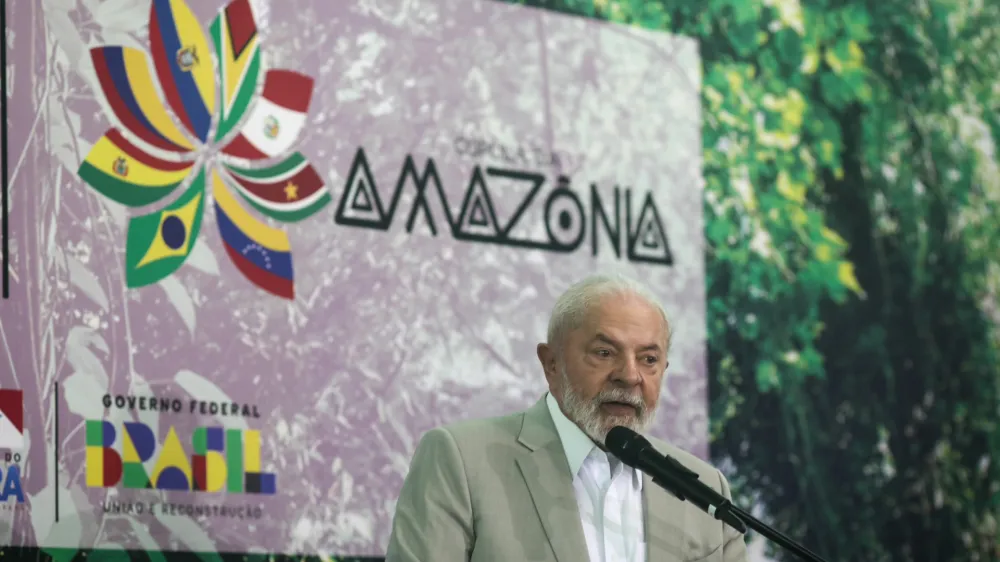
column 773, row 534
column 681, row 485
column 667, row 472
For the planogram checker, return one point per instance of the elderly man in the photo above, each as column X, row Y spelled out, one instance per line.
column 538, row 485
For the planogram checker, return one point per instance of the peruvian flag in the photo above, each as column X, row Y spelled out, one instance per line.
column 277, row 118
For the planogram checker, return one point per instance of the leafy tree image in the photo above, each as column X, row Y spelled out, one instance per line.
column 852, row 189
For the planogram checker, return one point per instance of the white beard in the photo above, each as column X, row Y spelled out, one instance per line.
column 590, row 418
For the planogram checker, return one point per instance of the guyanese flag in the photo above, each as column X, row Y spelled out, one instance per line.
column 158, row 243
column 237, row 50
column 122, row 172
column 289, row 191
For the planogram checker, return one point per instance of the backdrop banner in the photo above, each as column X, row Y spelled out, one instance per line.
column 258, row 248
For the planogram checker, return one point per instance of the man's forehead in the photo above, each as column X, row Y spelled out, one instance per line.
column 626, row 307
column 645, row 341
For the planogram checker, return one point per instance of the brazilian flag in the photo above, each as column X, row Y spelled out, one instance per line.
column 158, row 243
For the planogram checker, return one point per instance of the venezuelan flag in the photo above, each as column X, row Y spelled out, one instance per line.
column 158, row 243
column 127, row 83
column 183, row 63
column 261, row 253
column 237, row 48
column 123, row 173
column 290, row 191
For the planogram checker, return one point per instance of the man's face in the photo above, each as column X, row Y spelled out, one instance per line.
column 608, row 371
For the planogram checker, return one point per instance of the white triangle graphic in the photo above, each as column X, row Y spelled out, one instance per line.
column 361, row 188
column 650, row 241
column 371, row 214
column 477, row 209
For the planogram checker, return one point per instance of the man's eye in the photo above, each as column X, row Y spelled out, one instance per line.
column 651, row 359
column 603, row 353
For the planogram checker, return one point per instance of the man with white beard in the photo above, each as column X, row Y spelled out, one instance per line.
column 539, row 485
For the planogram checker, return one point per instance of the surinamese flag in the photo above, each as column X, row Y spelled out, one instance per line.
column 289, row 191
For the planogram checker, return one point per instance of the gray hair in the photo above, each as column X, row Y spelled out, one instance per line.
column 574, row 304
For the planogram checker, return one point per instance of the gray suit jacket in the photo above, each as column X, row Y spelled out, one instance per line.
column 500, row 490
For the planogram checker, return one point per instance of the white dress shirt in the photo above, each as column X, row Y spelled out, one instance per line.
column 608, row 493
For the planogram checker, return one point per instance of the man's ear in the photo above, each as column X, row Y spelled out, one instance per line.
column 547, row 358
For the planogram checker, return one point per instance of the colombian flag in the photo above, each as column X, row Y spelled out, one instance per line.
column 158, row 243
column 261, row 253
column 128, row 86
column 125, row 174
column 289, row 192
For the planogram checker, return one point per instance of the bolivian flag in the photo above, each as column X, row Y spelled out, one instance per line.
column 288, row 192
column 158, row 243
column 125, row 174
column 277, row 118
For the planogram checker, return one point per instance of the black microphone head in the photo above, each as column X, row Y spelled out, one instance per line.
column 626, row 444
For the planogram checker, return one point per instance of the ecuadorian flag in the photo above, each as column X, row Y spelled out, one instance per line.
column 158, row 243
column 125, row 174
column 261, row 253
column 183, row 64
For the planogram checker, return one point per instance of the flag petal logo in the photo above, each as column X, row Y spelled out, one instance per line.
column 261, row 253
column 289, row 191
column 277, row 119
column 128, row 87
column 183, row 64
column 234, row 32
column 126, row 174
column 166, row 128
column 158, row 243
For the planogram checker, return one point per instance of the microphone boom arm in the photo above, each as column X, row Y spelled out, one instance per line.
column 774, row 535
column 730, row 514
column 727, row 512
column 668, row 473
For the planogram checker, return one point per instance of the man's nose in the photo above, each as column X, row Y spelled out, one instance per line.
column 628, row 373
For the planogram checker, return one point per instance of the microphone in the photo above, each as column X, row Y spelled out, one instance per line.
column 636, row 451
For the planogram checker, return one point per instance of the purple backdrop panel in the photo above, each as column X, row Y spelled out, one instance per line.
column 259, row 248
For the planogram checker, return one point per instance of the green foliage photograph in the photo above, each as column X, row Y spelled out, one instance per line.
column 851, row 207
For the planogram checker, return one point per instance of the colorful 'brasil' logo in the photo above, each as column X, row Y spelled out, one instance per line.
column 150, row 157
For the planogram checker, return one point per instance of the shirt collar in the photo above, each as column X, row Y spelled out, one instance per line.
column 576, row 444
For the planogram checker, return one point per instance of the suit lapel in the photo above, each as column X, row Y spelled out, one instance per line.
column 665, row 518
column 550, row 484
column 547, row 475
